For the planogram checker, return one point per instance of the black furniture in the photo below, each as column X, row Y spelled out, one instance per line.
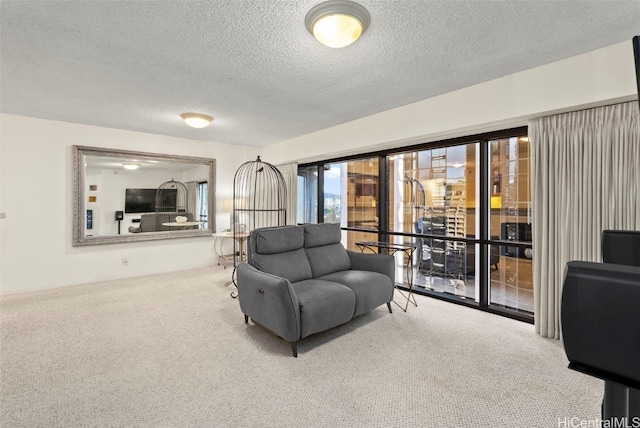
column 516, row 232
column 600, row 316
column 621, row 247
column 445, row 261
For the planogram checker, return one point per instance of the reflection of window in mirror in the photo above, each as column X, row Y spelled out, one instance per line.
column 203, row 206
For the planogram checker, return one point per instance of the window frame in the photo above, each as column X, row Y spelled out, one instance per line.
column 483, row 236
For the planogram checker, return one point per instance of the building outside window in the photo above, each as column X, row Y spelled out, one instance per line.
column 307, row 211
column 351, row 198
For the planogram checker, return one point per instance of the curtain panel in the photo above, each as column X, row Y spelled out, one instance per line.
column 192, row 199
column 585, row 169
column 290, row 173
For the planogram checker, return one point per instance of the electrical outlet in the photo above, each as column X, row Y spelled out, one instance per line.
column 3, row 215
column 125, row 262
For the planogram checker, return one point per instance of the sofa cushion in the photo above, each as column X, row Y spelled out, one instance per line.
column 327, row 259
column 372, row 289
column 316, row 235
column 323, row 305
column 292, row 265
column 278, row 240
column 324, row 250
column 152, row 222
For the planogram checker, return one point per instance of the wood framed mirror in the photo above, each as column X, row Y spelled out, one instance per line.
column 115, row 191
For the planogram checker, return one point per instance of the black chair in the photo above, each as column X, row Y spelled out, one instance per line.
column 456, row 262
column 600, row 316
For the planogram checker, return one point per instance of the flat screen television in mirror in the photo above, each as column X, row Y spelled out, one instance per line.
column 138, row 201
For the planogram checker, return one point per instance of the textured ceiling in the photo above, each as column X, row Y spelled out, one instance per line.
column 252, row 65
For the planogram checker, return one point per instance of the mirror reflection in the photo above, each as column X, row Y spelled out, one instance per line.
column 123, row 196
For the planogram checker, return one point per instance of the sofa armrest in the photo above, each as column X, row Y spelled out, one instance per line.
column 270, row 301
column 381, row 263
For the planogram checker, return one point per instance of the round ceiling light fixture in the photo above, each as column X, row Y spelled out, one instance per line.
column 337, row 23
column 196, row 120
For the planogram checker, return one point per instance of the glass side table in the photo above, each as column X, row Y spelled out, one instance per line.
column 391, row 249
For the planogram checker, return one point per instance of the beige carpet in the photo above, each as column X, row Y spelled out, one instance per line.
column 172, row 350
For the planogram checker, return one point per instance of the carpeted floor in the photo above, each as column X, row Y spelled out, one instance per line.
column 172, row 350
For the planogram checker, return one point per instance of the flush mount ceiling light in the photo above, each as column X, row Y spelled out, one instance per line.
column 337, row 23
column 131, row 165
column 196, row 120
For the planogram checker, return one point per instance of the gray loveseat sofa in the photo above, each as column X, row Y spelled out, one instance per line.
column 300, row 280
column 152, row 222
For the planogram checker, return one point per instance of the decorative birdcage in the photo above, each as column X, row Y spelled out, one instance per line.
column 259, row 200
column 416, row 198
column 171, row 202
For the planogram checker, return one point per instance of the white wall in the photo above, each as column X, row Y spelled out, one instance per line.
column 35, row 194
column 35, row 163
column 601, row 77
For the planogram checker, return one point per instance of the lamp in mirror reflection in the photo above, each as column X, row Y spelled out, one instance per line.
column 228, row 207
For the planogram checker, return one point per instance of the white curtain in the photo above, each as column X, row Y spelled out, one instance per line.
column 192, row 198
column 290, row 173
column 585, row 169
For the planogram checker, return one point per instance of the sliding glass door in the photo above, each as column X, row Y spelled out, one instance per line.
column 465, row 205
column 511, row 284
column 432, row 204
